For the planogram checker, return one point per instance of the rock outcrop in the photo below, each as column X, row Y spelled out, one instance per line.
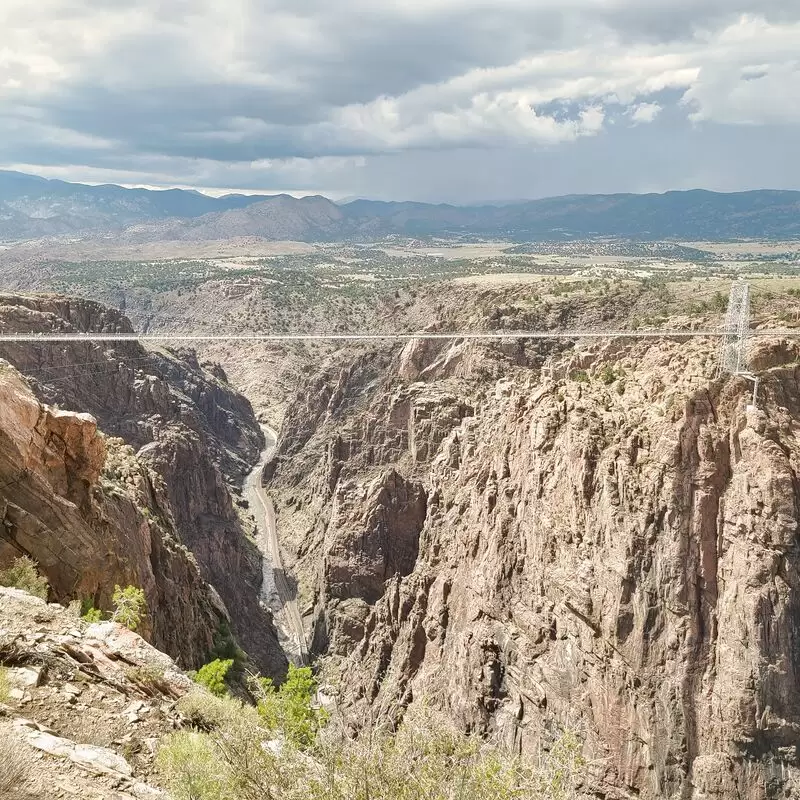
column 373, row 535
column 93, row 516
column 606, row 539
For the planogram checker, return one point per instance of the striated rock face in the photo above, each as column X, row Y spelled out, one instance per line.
column 190, row 429
column 92, row 515
column 388, row 514
column 372, row 536
column 616, row 551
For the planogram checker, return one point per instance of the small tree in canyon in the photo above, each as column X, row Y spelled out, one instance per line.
column 130, row 606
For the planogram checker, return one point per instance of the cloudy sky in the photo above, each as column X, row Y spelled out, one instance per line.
column 453, row 100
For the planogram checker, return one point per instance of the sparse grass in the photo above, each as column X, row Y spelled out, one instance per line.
column 427, row 758
column 22, row 574
column 207, row 712
column 191, row 766
column 15, row 768
column 4, row 685
column 149, row 678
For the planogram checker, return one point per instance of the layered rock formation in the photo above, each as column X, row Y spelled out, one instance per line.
column 190, row 430
column 606, row 539
column 94, row 516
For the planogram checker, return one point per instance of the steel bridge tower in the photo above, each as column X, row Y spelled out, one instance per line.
column 733, row 352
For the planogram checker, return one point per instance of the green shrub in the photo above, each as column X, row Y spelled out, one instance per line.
column 92, row 615
column 22, row 574
column 226, row 758
column 290, row 709
column 579, row 376
column 700, row 307
column 607, row 374
column 129, row 606
column 213, row 674
column 225, row 647
column 719, row 302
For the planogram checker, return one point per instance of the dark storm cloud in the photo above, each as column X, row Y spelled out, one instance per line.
column 233, row 92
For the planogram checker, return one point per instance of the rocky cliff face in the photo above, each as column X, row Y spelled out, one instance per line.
column 133, row 392
column 605, row 537
column 189, row 429
column 93, row 516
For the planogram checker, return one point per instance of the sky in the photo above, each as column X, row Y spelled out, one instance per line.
column 439, row 100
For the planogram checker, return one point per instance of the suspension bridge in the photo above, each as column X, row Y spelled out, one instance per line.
column 563, row 334
column 734, row 335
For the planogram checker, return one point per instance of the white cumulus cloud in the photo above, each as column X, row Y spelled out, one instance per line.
column 205, row 89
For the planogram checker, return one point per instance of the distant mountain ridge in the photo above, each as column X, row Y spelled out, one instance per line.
column 32, row 207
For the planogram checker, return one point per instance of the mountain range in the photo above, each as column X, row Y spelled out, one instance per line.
column 32, row 207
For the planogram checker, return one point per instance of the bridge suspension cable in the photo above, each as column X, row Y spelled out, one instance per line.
column 676, row 333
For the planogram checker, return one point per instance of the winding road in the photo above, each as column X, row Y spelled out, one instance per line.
column 276, row 592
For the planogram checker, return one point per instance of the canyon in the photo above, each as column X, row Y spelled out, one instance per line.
column 564, row 552
column 538, row 537
column 597, row 536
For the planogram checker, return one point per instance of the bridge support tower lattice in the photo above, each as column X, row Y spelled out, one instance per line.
column 734, row 346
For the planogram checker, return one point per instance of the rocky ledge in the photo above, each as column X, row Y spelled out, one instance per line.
column 85, row 704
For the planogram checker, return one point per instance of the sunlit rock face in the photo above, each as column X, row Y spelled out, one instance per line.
column 603, row 538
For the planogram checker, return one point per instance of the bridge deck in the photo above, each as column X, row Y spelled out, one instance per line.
column 293, row 337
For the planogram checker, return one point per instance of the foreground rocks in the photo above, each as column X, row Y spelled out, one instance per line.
column 87, row 704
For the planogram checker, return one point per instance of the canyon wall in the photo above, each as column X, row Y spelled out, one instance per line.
column 93, row 515
column 188, row 429
column 599, row 537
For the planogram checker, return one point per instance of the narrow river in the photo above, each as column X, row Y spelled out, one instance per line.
column 276, row 591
